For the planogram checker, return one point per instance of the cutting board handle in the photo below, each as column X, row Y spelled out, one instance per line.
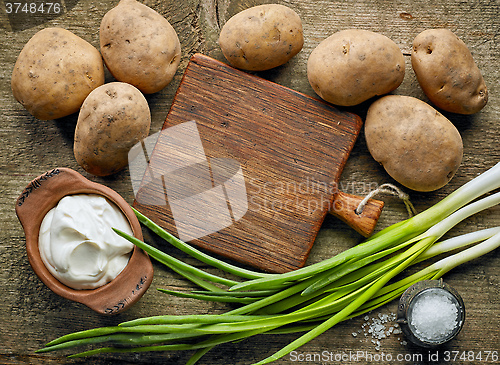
column 344, row 208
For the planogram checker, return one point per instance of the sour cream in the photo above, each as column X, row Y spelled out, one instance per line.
column 77, row 243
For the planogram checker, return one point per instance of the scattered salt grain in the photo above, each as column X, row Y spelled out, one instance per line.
column 378, row 327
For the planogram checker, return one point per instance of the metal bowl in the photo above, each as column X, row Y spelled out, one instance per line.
column 409, row 298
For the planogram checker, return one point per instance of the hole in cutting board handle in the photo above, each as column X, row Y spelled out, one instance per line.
column 344, row 208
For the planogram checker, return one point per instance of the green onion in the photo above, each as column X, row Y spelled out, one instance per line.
column 174, row 241
column 309, row 300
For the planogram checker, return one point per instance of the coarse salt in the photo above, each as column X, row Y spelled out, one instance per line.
column 378, row 328
column 434, row 315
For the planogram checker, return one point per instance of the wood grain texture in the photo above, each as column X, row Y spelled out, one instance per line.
column 291, row 148
column 31, row 314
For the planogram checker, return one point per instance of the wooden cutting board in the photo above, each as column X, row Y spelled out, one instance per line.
column 273, row 154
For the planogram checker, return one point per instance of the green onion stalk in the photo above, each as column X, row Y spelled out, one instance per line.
column 309, row 300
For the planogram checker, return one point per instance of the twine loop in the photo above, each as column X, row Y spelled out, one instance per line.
column 388, row 189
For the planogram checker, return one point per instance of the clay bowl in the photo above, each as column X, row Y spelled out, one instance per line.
column 41, row 195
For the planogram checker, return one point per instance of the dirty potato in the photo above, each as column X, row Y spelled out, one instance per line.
column 139, row 46
column 113, row 118
column 55, row 72
column 416, row 145
column 447, row 73
column 262, row 37
column 354, row 65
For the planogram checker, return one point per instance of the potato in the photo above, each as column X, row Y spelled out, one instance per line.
column 55, row 72
column 113, row 118
column 354, row 65
column 261, row 37
column 447, row 72
column 415, row 144
column 139, row 46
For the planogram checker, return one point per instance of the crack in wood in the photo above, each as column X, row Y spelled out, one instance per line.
column 217, row 17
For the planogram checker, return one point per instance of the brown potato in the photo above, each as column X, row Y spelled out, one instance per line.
column 55, row 72
column 262, row 37
column 447, row 72
column 354, row 65
column 416, row 145
column 139, row 46
column 113, row 118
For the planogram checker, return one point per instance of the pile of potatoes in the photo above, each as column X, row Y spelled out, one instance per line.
column 58, row 73
column 418, row 146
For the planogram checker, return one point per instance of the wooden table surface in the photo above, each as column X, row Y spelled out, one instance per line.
column 31, row 314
